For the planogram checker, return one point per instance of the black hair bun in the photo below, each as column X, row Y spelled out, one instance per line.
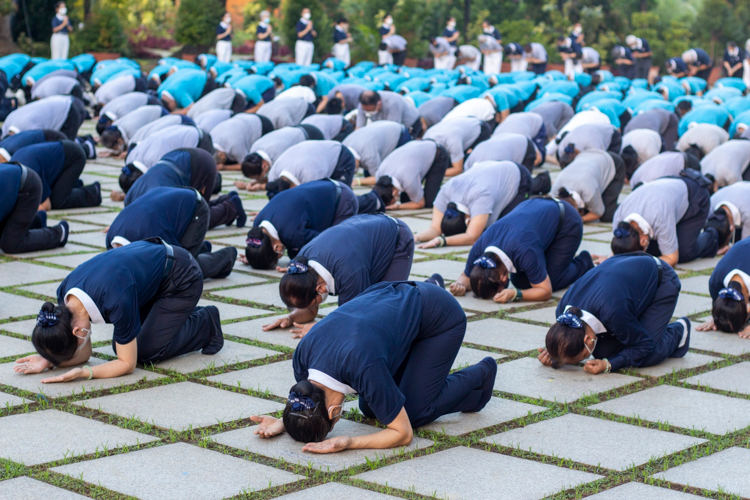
column 303, row 388
column 575, row 311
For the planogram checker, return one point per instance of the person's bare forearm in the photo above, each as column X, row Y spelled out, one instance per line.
column 113, row 369
column 536, row 294
column 460, row 239
column 387, row 438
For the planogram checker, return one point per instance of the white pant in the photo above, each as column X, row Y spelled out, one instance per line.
column 475, row 64
column 493, row 63
column 341, row 52
column 445, row 62
column 384, row 57
column 224, row 51
column 303, row 52
column 518, row 64
column 746, row 72
column 263, row 50
column 59, row 45
column 572, row 67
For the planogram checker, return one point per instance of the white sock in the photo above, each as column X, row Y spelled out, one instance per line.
column 64, row 232
column 685, row 331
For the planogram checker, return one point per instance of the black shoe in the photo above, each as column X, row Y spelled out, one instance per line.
column 232, row 257
column 40, row 220
column 93, row 194
column 206, row 247
column 216, row 339
column 241, row 215
column 66, row 232
column 488, row 383
column 686, row 327
column 436, row 279
column 541, row 184
column 217, row 185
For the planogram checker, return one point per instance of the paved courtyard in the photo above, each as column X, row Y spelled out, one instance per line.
column 181, row 429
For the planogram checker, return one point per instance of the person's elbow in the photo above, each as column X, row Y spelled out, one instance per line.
column 406, row 436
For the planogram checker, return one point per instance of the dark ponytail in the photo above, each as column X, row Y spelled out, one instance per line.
column 259, row 250
column 454, row 221
column 626, row 239
column 730, row 315
column 298, row 287
column 384, row 188
column 306, row 415
column 53, row 335
column 564, row 340
column 630, row 159
column 569, row 154
column 696, row 151
column 485, row 276
column 719, row 221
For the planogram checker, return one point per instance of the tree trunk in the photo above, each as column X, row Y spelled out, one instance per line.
column 7, row 46
column 467, row 20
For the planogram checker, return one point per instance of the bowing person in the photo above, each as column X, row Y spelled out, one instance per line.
column 728, row 286
column 13, row 143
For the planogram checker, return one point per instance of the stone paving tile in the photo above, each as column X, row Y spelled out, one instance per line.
column 512, row 478
column 238, row 241
column 444, row 250
column 468, row 356
column 415, row 224
column 715, row 341
column 276, row 378
column 95, row 239
column 696, row 284
column 449, row 269
column 271, row 273
column 20, row 273
column 99, row 333
column 560, row 437
column 605, row 236
column 10, row 346
column 75, row 227
column 473, row 303
column 232, row 311
column 26, row 487
column 71, row 261
column 9, row 400
column 545, row 315
column 31, row 383
column 528, row 377
column 691, row 360
column 699, row 264
column 102, row 218
column 47, row 289
column 596, row 228
column 232, row 353
column 504, row 334
column 688, row 304
column 333, row 490
column 165, row 406
column 255, row 204
column 283, row 447
column 734, row 378
column 233, row 279
column 260, row 294
column 16, row 306
column 682, row 407
column 497, row 411
column 595, row 247
column 253, row 330
column 220, row 231
column 640, row 491
column 63, row 213
column 177, row 472
column 43, row 436
column 717, row 472
column 67, row 249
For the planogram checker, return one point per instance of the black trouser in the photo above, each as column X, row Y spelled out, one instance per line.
column 613, row 190
column 173, row 324
column 435, row 175
column 222, row 211
column 670, row 135
column 53, row 135
column 312, row 133
column 76, row 91
column 348, row 205
column 704, row 73
column 15, row 235
column 416, row 129
column 399, row 58
column 345, row 167
column 346, row 129
column 210, row 85
column 746, row 173
column 642, row 67
column 529, row 159
column 65, row 193
column 205, row 142
column 268, row 95
column 239, row 103
column 615, row 143
column 76, row 116
column 310, row 110
column 485, row 132
column 140, row 84
column 215, row 265
column 4, row 84
column 524, row 188
column 539, row 68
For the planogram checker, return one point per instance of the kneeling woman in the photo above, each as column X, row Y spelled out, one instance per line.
column 148, row 290
column 730, row 290
column 535, row 245
column 619, row 313
column 294, row 217
column 473, row 201
column 400, row 368
column 345, row 260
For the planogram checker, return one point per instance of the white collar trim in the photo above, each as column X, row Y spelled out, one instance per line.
column 592, row 321
column 328, row 381
column 742, row 274
column 266, row 224
column 265, row 156
column 5, row 153
column 290, row 176
column 641, row 222
column 503, row 257
column 88, row 304
column 120, row 241
column 736, row 215
column 462, row 208
column 140, row 166
column 327, row 276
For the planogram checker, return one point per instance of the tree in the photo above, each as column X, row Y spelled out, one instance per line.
column 103, row 32
column 196, row 23
column 322, row 24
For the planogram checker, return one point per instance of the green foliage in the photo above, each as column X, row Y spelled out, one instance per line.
column 103, row 32
column 196, row 23
column 32, row 48
column 40, row 13
column 322, row 24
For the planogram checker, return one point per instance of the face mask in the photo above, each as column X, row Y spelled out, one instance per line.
column 227, row 20
column 488, row 31
column 85, row 339
column 324, row 296
column 451, row 25
column 369, row 114
column 388, row 22
column 307, row 16
column 591, row 351
column 63, row 11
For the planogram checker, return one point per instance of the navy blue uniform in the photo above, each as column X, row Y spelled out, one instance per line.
column 301, row 27
column 339, row 35
column 738, row 257
column 362, row 251
column 133, row 288
column 46, row 159
column 13, row 143
column 10, row 176
column 627, row 70
column 220, row 30
column 633, row 296
column 537, row 244
column 677, row 65
column 261, row 30
column 384, row 31
column 734, row 60
column 447, row 33
column 301, row 214
column 394, row 345
column 57, row 22
column 495, row 33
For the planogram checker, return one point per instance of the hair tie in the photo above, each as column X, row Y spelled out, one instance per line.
column 253, row 242
column 730, row 293
column 485, row 262
column 300, row 402
column 451, row 213
column 126, row 170
column 570, row 149
column 296, row 268
column 570, row 319
column 103, row 119
column 621, row 232
column 111, row 128
column 45, row 319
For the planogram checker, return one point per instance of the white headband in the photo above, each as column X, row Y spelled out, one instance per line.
column 354, row 153
column 644, row 226
column 265, row 156
column 736, row 216
column 577, row 198
column 140, row 166
column 397, row 184
column 503, row 257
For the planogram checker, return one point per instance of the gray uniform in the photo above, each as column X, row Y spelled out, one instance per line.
column 501, row 147
column 408, row 165
column 555, row 115
column 48, row 113
column 588, row 175
column 588, row 137
column 115, row 88
column 538, row 52
column 236, row 136
column 284, row 112
column 667, row 164
column 374, row 142
column 662, row 203
column 485, row 189
column 393, row 108
column 351, row 93
column 210, row 119
column 307, row 161
column 124, row 104
column 221, row 98
column 653, row 119
column 456, row 135
column 329, row 125
column 707, row 136
column 441, row 46
column 273, row 144
column 645, row 142
column 527, row 123
column 590, row 55
column 129, row 124
column 58, row 85
column 435, row 109
column 469, row 52
column 395, row 43
column 737, row 194
column 151, row 149
column 728, row 162
column 154, row 127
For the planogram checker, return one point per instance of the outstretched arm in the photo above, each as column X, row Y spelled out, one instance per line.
column 398, row 433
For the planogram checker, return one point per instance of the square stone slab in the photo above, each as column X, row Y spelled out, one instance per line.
column 237, row 241
column 497, row 411
column 232, row 353
column 253, row 330
column 691, row 360
column 503, row 334
column 511, row 478
column 605, row 236
column 254, row 204
column 17, row 306
column 177, row 472
column 545, row 315
column 101, row 218
column 94, row 239
column 528, row 377
column 734, row 378
column 221, row 231
column 700, row 264
column 20, row 273
column 696, row 284
column 468, row 356
column 75, row 227
column 25, row 487
column 717, row 472
column 715, row 341
column 415, row 224
column 71, row 261
column 99, row 333
column 688, row 304
column 474, row 303
column 9, row 400
column 260, row 294
column 233, row 279
column 67, row 249
column 11, row 346
column 682, row 407
column 444, row 250
column 31, row 383
column 268, row 273
column 449, row 269
column 334, row 490
column 285, row 448
column 276, row 378
column 559, row 437
column 46, row 289
column 43, row 436
column 640, row 491
column 595, row 247
column 182, row 405
column 231, row 311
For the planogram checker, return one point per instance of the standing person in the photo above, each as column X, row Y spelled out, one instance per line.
column 341, row 40
column 515, row 53
column 699, row 62
column 443, row 53
column 641, row 51
column 469, row 56
column 746, row 64
column 303, row 47
column 492, row 52
column 623, row 59
column 264, row 38
column 733, row 59
column 570, row 52
column 536, row 56
column 60, row 42
column 386, row 30
column 450, row 33
column 224, row 39
column 591, row 60
column 489, row 29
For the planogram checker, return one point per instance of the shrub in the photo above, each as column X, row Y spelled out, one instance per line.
column 103, row 32
column 196, row 23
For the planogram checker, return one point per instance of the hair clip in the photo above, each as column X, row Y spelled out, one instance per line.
column 621, row 232
column 485, row 262
column 451, row 213
column 296, row 268
column 254, row 242
column 570, row 149
column 126, row 170
column 730, row 293
column 300, row 402
column 45, row 319
column 570, row 319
